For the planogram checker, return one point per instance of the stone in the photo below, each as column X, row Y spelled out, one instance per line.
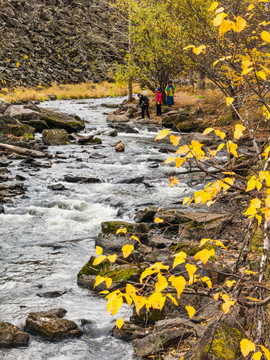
column 112, row 242
column 22, row 114
column 58, row 120
column 147, row 215
column 51, row 325
column 159, row 340
column 55, row 137
column 12, row 336
column 83, row 179
column 11, row 126
column 117, row 118
column 129, row 332
column 119, row 147
column 57, row 187
column 3, row 106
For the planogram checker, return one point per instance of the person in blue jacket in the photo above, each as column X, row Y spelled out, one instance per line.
column 169, row 90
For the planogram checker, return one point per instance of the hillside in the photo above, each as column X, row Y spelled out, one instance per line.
column 58, row 40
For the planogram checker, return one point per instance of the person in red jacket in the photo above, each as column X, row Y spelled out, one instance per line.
column 158, row 100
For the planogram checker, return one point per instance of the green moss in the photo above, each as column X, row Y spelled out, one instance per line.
column 89, row 269
column 96, row 141
column 110, row 227
column 225, row 345
column 191, row 250
column 119, row 274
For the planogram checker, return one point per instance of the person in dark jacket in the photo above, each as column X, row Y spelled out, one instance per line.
column 144, row 105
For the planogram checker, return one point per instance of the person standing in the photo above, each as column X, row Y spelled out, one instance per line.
column 169, row 90
column 158, row 100
column 144, row 105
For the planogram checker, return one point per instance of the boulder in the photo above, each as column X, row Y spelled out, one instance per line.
column 112, row 242
column 129, row 332
column 12, row 126
column 51, row 325
column 55, row 137
column 3, row 106
column 118, row 273
column 112, row 117
column 22, row 114
column 147, row 215
column 58, row 120
column 119, row 147
column 12, row 336
column 83, row 179
column 159, row 340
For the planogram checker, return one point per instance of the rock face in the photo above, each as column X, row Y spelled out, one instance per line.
column 63, row 41
column 12, row 336
column 58, row 120
column 51, row 325
column 55, row 137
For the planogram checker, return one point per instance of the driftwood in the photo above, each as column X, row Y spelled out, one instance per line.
column 26, row 152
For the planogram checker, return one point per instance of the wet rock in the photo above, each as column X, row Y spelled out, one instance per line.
column 112, row 133
column 110, row 106
column 51, row 325
column 57, row 187
column 117, row 118
column 97, row 156
column 12, row 336
column 83, row 179
column 58, row 120
column 11, row 126
column 136, row 180
column 119, row 147
column 4, row 162
column 119, row 274
column 55, row 137
column 126, row 128
column 51, row 294
column 129, row 332
column 2, row 209
column 91, row 330
column 159, row 340
column 3, row 106
column 159, row 255
column 112, row 242
column 147, row 215
column 38, row 125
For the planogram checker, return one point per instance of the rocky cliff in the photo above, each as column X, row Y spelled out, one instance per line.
column 58, row 40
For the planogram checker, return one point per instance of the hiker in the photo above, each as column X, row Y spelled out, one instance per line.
column 169, row 90
column 158, row 100
column 144, row 105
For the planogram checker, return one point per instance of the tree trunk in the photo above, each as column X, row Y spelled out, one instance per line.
column 130, row 97
column 191, row 79
column 201, row 80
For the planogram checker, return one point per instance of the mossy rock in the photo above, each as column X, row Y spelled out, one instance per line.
column 118, row 273
column 55, row 137
column 57, row 120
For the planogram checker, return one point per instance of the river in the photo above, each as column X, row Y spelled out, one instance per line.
column 47, row 236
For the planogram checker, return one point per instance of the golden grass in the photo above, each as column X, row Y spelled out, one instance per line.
column 66, row 91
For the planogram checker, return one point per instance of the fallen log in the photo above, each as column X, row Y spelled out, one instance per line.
column 23, row 151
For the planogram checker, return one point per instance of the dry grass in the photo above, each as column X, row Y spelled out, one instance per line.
column 67, row 91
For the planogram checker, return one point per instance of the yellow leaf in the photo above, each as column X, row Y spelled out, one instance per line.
column 229, row 100
column 227, row 305
column 121, row 231
column 198, row 50
column 204, row 241
column 230, row 283
column 108, row 282
column 119, row 323
column 117, row 303
column 251, row 183
column 249, row 272
column 253, row 299
column 231, row 147
column 130, row 289
column 219, row 243
column 172, row 298
column 161, row 284
column 257, row 203
column 238, row 131
column 191, row 311
column 99, row 250
column 147, row 272
column 179, row 283
column 186, row 199
column 156, row 301
column 207, row 131
column 262, row 74
column 169, row 160
column 175, row 139
column 160, row 266
column 265, row 35
column 183, row 149
column 99, row 280
column 207, row 280
column 221, row 134
column 179, row 162
column 157, row 220
column 128, row 299
column 18, row 64
column 191, row 269
column 173, row 181
column 239, row 25
column 99, row 260
column 216, row 296
column 213, row 6
column 225, row 26
column 219, row 18
column 247, row 346
column 246, row 64
column 112, row 258
column 257, row 355
column 104, row 292
column 162, row 134
column 127, row 249
column 179, row 258
column 139, row 302
column 204, row 255
column 135, row 238
column 266, row 352
column 250, row 7
column 246, row 71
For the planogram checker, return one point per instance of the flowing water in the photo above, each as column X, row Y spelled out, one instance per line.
column 47, row 236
